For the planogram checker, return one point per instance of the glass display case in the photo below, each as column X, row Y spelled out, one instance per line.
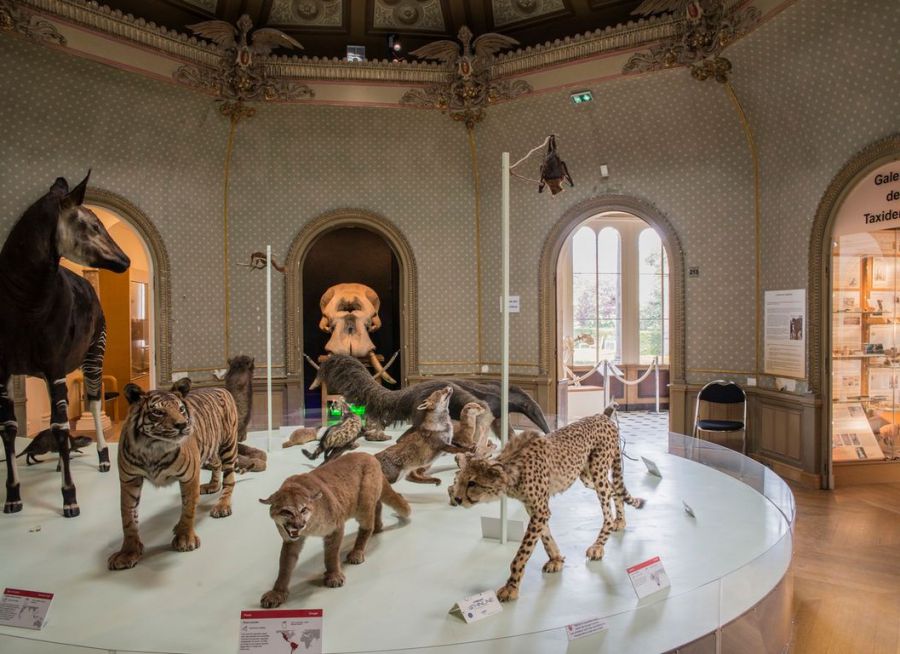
column 865, row 347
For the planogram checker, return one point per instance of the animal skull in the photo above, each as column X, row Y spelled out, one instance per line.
column 349, row 313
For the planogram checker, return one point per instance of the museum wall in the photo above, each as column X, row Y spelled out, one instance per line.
column 668, row 140
column 163, row 149
column 819, row 82
column 158, row 146
column 410, row 167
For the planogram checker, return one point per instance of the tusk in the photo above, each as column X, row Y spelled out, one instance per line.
column 316, row 382
column 380, row 372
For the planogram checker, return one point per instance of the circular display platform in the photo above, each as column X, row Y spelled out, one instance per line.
column 722, row 562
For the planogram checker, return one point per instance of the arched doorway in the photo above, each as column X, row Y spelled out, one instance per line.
column 348, row 231
column 854, row 308
column 613, row 221
column 135, row 305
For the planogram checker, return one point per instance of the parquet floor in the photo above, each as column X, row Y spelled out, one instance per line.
column 847, row 570
column 846, row 559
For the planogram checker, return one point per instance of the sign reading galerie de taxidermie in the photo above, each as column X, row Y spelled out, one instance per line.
column 873, row 204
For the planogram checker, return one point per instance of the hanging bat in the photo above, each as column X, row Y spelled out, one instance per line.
column 553, row 170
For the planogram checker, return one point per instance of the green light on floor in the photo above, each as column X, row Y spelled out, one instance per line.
column 581, row 97
column 334, row 409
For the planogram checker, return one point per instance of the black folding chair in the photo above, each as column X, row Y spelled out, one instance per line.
column 722, row 392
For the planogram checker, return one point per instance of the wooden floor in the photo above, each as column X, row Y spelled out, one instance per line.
column 847, row 570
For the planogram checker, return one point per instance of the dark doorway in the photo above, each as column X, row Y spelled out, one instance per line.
column 350, row 254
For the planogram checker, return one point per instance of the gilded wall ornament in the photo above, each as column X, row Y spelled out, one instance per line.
column 15, row 19
column 707, row 28
column 425, row 15
column 468, row 89
column 241, row 74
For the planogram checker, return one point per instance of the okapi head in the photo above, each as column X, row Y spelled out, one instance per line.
column 80, row 236
column 349, row 313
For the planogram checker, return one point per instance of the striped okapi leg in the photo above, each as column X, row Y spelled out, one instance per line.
column 92, row 367
column 59, row 424
column 10, row 429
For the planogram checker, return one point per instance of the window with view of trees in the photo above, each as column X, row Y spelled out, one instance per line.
column 654, row 297
column 595, row 294
column 620, row 293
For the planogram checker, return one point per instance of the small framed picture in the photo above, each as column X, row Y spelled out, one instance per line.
column 873, row 348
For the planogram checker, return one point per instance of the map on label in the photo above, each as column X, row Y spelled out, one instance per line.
column 281, row 631
column 24, row 608
column 648, row 577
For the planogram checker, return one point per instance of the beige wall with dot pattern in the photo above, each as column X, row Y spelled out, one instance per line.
column 819, row 82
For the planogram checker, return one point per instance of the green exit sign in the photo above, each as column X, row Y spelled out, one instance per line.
column 581, row 97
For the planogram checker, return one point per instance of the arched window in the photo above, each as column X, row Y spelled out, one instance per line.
column 653, row 298
column 619, row 303
column 596, row 306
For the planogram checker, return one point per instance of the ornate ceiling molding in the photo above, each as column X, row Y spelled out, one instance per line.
column 420, row 15
column 114, row 24
column 308, row 13
column 16, row 19
column 700, row 41
column 241, row 75
column 508, row 12
column 468, row 88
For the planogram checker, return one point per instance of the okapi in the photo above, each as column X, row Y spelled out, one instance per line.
column 52, row 321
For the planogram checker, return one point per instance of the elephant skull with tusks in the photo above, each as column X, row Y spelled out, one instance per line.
column 349, row 314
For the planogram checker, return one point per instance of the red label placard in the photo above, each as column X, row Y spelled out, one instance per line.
column 296, row 613
column 28, row 593
column 646, row 563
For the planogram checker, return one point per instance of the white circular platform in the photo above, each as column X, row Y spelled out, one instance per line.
column 721, row 563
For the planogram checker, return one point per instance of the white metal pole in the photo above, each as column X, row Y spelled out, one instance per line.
column 504, row 383
column 269, row 345
column 607, row 391
column 656, row 374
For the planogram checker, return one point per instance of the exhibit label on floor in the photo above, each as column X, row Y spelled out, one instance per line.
column 280, row 631
column 24, row 608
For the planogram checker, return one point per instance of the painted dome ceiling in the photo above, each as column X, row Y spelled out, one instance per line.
column 327, row 27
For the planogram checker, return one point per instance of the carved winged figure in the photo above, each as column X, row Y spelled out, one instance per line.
column 469, row 88
column 692, row 9
column 239, row 40
column 474, row 57
column 240, row 75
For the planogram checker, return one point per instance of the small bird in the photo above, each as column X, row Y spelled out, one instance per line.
column 340, row 437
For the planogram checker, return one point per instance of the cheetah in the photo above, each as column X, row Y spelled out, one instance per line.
column 532, row 467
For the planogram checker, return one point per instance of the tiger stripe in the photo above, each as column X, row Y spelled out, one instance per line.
column 168, row 437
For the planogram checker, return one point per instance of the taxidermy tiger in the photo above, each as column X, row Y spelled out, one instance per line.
column 168, row 436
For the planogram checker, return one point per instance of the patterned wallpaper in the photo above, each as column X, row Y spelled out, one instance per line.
column 667, row 139
column 159, row 146
column 819, row 82
column 411, row 167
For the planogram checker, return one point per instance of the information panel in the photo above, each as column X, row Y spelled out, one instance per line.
column 785, row 333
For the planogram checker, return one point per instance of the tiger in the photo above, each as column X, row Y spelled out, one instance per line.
column 168, row 436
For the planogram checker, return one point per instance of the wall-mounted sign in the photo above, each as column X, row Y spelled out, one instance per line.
column 873, row 204
column 785, row 333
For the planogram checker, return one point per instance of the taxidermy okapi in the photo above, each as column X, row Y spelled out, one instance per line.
column 52, row 320
column 347, row 376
